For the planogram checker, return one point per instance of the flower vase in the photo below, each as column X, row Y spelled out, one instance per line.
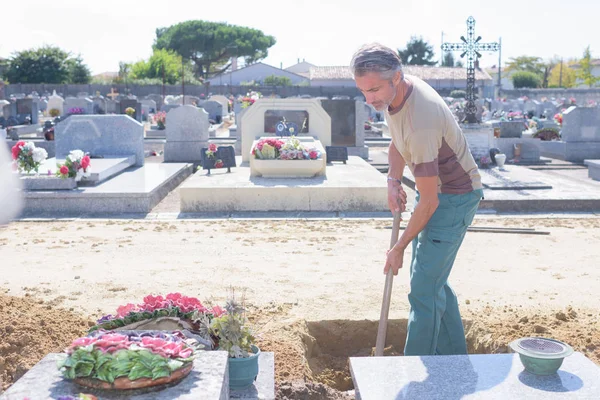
column 243, row 371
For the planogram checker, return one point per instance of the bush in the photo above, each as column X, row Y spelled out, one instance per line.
column 54, row 112
column 458, row 94
column 273, row 80
column 130, row 111
column 526, row 79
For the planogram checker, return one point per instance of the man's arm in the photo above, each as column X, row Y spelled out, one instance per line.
column 428, row 203
column 396, row 162
column 396, row 194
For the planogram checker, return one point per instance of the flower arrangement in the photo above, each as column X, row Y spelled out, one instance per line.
column 232, row 331
column 54, row 112
column 291, row 149
column 250, row 98
column 75, row 165
column 161, row 119
column 558, row 118
column 514, row 115
column 172, row 305
column 573, row 101
column 130, row 111
column 211, row 153
column 27, row 157
column 132, row 355
column 76, row 111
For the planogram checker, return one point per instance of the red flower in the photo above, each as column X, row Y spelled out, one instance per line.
column 64, row 170
column 212, row 147
column 85, row 162
column 313, row 155
column 219, row 164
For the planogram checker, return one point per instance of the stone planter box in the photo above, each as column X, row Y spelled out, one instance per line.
column 287, row 168
column 44, row 182
column 291, row 168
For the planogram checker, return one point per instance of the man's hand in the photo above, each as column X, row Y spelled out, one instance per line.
column 394, row 260
column 396, row 197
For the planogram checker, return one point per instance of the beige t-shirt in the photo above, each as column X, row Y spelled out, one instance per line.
column 431, row 142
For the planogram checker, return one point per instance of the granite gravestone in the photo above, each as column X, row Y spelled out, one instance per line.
column 84, row 104
column 343, row 121
column 214, row 110
column 186, row 134
column 99, row 105
column 133, row 103
column 100, row 135
column 581, row 125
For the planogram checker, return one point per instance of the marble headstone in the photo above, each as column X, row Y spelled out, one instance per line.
column 186, row 133
column 581, row 125
column 101, row 135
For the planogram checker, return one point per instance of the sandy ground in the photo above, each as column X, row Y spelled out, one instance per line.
column 304, row 280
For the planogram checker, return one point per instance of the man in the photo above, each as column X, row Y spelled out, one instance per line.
column 426, row 138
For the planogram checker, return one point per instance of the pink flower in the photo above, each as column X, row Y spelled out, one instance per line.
column 85, row 162
column 212, row 147
column 174, row 296
column 126, row 309
column 64, row 170
column 217, row 311
column 313, row 155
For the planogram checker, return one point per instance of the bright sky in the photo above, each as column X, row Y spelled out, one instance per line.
column 321, row 32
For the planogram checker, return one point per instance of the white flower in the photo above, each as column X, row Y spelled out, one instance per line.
column 75, row 156
column 39, row 155
column 29, row 146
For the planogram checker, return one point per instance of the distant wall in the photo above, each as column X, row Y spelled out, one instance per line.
column 582, row 95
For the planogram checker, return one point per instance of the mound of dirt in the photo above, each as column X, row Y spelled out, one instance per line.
column 310, row 391
column 29, row 330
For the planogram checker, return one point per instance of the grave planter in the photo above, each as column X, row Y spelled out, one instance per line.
column 243, row 371
column 287, row 168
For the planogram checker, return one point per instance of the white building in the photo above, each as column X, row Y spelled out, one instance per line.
column 255, row 73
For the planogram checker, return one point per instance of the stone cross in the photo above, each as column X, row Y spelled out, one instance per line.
column 112, row 94
column 471, row 48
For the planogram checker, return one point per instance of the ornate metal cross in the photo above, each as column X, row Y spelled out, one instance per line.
column 471, row 48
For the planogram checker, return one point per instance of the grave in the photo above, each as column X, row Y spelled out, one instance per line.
column 348, row 125
column 99, row 105
column 478, row 376
column 223, row 101
column 186, row 133
column 149, row 105
column 511, row 129
column 119, row 182
column 214, row 110
column 85, row 104
column 354, row 186
column 133, row 103
column 580, row 136
column 593, row 169
column 209, row 380
column 158, row 101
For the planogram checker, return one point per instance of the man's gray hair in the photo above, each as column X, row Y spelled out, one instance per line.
column 375, row 57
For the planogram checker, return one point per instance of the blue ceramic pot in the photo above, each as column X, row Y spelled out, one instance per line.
column 243, row 371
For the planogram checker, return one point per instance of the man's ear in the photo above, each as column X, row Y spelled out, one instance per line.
column 397, row 78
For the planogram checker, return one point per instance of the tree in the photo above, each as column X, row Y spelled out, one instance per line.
column 210, row 45
column 46, row 64
column 525, row 63
column 448, row 60
column 161, row 60
column 78, row 71
column 417, row 52
column 585, row 71
column 526, row 79
column 568, row 78
column 273, row 80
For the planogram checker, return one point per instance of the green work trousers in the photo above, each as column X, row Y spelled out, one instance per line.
column 434, row 322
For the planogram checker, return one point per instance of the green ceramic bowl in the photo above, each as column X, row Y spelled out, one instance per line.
column 541, row 356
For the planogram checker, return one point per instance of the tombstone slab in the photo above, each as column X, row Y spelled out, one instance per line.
column 593, row 169
column 133, row 103
column 74, row 102
column 214, row 110
column 208, row 380
column 186, row 133
column 513, row 178
column 101, row 135
column 472, row 377
column 581, row 125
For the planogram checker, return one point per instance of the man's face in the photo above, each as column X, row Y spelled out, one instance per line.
column 378, row 92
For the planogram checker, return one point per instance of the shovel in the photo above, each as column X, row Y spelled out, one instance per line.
column 387, row 293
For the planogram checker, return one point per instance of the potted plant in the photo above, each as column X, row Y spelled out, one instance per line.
column 290, row 158
column 234, row 336
column 160, row 118
column 128, row 359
